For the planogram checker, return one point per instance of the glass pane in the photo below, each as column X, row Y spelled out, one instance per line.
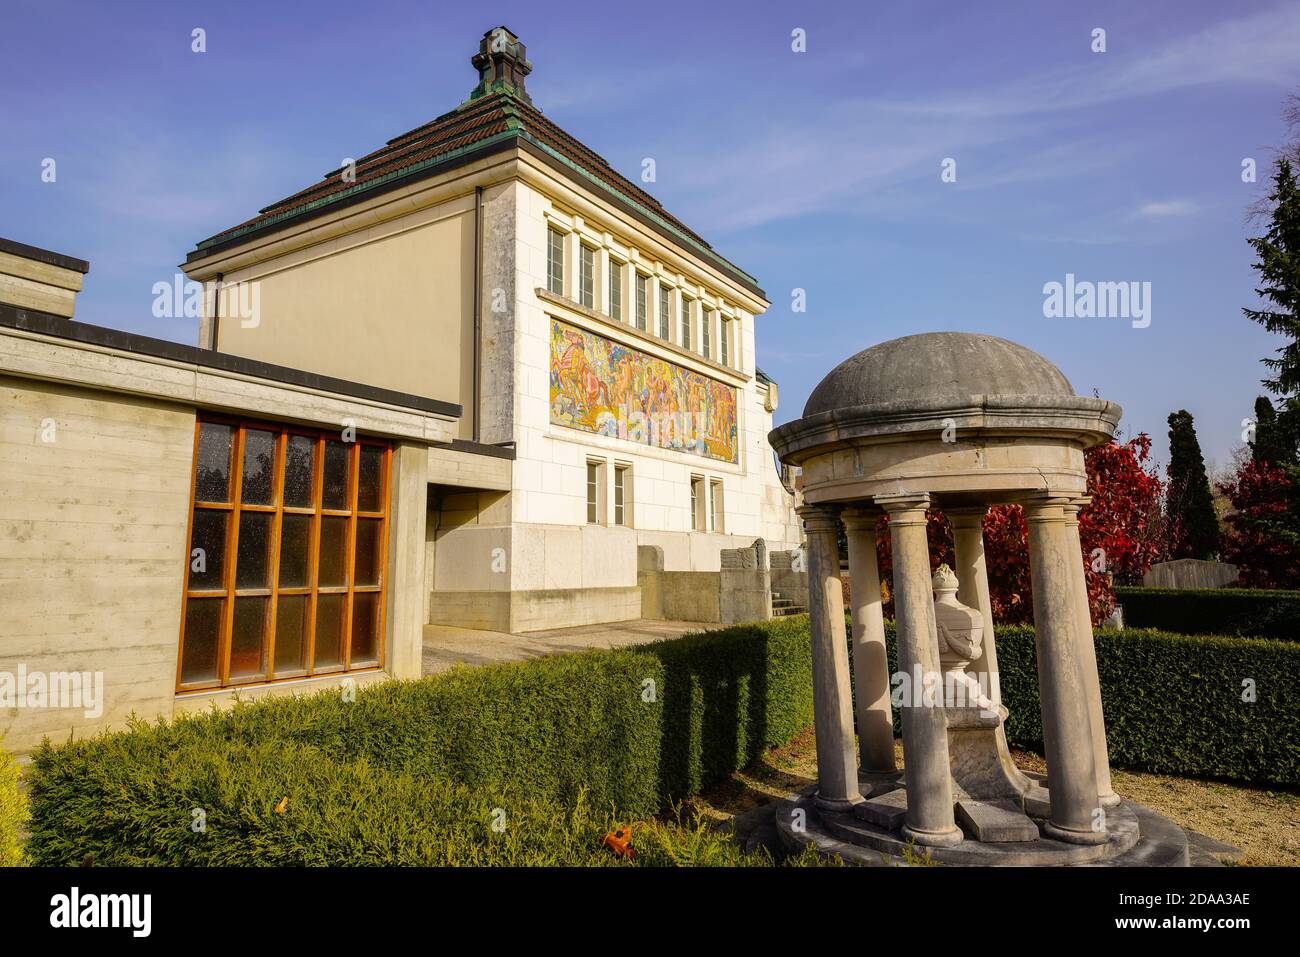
column 299, row 461
column 365, row 629
column 333, row 551
column 202, row 639
column 295, row 547
column 253, row 567
column 366, row 566
column 370, row 483
column 259, row 468
column 329, row 632
column 337, row 460
column 291, row 634
column 207, row 549
column 248, row 639
column 212, row 463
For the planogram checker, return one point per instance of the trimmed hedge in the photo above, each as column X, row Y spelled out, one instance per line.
column 412, row 772
column 13, row 812
column 131, row 803
column 1173, row 703
column 1251, row 612
column 633, row 729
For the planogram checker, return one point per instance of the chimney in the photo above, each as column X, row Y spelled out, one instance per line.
column 502, row 65
column 38, row 279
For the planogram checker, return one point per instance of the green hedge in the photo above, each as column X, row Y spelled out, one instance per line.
column 131, row 803
column 566, row 731
column 1173, row 703
column 13, row 812
column 412, row 772
column 1252, row 612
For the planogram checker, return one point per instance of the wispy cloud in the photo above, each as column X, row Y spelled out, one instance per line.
column 1173, row 207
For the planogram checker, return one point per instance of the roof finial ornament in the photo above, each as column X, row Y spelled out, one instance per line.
column 502, row 64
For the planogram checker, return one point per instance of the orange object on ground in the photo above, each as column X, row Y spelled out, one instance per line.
column 620, row 842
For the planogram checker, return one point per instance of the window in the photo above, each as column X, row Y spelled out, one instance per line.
column 715, row 505
column 595, row 492
column 587, row 277
column 697, row 503
column 686, row 323
column 288, row 544
column 665, row 312
column 724, row 344
column 555, row 261
column 615, row 290
column 622, row 494
column 641, row 295
column 706, row 343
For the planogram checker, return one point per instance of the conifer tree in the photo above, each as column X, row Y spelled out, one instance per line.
column 1194, row 527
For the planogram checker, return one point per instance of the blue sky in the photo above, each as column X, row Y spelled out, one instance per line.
column 816, row 170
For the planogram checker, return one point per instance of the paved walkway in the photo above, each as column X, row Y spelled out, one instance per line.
column 445, row 646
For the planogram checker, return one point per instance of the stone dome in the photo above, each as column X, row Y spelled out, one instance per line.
column 936, row 366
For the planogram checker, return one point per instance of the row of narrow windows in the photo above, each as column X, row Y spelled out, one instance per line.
column 640, row 318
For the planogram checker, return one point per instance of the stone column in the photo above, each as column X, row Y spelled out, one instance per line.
column 837, row 765
column 1067, row 735
column 1088, row 655
column 925, row 727
column 973, row 586
column 870, row 663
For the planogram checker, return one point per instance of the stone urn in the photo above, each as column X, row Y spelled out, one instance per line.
column 961, row 628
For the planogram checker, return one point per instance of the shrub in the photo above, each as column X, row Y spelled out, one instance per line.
column 13, row 813
column 1257, row 613
column 128, row 801
column 1173, row 703
column 632, row 729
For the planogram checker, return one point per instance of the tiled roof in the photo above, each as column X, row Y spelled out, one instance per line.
column 496, row 117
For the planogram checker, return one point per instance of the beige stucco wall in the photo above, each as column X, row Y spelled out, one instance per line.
column 390, row 305
column 92, row 548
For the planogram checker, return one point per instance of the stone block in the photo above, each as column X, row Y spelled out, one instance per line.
column 889, row 810
column 995, row 822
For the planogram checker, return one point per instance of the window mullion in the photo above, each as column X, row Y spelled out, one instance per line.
column 313, row 554
column 232, row 556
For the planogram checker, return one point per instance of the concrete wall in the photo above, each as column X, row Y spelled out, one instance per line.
column 1190, row 573
column 96, row 460
column 93, row 518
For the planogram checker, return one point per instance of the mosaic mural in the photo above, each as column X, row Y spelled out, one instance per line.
column 600, row 386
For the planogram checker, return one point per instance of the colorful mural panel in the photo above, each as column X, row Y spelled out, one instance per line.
column 600, row 386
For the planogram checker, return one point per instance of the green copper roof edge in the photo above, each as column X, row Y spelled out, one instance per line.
column 645, row 210
column 353, row 190
column 229, row 235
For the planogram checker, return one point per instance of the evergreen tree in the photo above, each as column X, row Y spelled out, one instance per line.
column 1272, row 446
column 1279, row 272
column 1193, row 524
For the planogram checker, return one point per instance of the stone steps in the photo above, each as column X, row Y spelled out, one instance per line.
column 781, row 607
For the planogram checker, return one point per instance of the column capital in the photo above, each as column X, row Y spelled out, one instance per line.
column 819, row 518
column 905, row 507
column 1046, row 506
column 860, row 517
column 967, row 516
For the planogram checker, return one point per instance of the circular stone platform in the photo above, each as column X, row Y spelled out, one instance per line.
column 1138, row 837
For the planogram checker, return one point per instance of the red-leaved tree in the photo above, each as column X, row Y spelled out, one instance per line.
column 1119, row 533
column 1260, row 493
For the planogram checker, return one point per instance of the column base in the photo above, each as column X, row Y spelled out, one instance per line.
column 1109, row 800
column 1071, row 836
column 837, row 804
column 933, row 838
